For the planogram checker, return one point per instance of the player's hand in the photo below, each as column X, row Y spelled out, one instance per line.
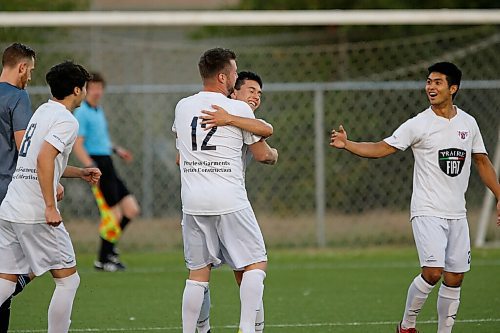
column 91, row 175
column 338, row 138
column 52, row 216
column 275, row 153
column 219, row 117
column 59, row 192
column 124, row 154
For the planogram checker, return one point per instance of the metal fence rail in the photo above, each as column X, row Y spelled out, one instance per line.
column 314, row 195
column 156, row 151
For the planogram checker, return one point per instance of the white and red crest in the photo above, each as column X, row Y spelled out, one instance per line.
column 463, row 134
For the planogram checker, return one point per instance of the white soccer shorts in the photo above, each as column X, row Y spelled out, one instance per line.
column 233, row 238
column 442, row 243
column 34, row 247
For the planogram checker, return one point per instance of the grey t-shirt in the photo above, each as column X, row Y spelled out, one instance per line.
column 15, row 113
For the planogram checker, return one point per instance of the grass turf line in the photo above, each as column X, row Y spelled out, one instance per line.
column 306, row 291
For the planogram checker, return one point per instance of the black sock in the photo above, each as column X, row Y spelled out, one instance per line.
column 22, row 281
column 106, row 250
column 124, row 222
column 5, row 315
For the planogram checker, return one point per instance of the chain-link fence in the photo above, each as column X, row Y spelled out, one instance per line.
column 310, row 86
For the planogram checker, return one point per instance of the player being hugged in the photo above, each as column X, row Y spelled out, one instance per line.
column 32, row 233
column 218, row 222
column 248, row 88
column 444, row 140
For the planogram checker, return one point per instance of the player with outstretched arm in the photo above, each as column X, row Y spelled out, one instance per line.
column 444, row 140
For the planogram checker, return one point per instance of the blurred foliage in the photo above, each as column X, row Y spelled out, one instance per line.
column 43, row 5
column 363, row 4
column 26, row 35
column 338, row 34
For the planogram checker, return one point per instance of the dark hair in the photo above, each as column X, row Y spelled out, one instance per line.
column 214, row 61
column 246, row 75
column 452, row 72
column 64, row 77
column 97, row 78
column 15, row 53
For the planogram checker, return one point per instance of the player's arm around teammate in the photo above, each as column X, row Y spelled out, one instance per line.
column 263, row 153
column 248, row 89
column 221, row 117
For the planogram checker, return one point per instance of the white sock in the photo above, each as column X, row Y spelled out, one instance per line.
column 251, row 291
column 192, row 299
column 203, row 323
column 447, row 306
column 62, row 303
column 7, row 288
column 259, row 319
column 417, row 295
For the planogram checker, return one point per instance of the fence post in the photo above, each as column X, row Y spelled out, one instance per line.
column 488, row 202
column 319, row 164
column 147, row 146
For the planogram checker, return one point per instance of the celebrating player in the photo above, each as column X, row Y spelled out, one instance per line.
column 248, row 88
column 444, row 140
column 218, row 222
column 18, row 63
column 32, row 234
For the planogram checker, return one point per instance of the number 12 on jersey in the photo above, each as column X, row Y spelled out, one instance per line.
column 204, row 144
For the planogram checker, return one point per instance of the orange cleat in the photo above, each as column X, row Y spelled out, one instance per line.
column 399, row 329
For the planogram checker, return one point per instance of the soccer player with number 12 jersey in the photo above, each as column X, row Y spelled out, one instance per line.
column 219, row 225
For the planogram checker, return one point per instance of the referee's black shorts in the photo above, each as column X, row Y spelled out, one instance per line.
column 112, row 187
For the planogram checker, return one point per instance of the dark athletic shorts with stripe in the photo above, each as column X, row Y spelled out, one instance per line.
column 112, row 187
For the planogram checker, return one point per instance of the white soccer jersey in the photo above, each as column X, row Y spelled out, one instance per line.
column 51, row 123
column 211, row 160
column 442, row 150
column 245, row 157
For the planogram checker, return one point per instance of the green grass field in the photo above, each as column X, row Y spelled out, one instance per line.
column 306, row 291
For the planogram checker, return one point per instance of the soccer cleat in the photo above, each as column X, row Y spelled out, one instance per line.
column 107, row 266
column 115, row 259
column 399, row 329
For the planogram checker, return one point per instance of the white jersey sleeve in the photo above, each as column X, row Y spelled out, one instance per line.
column 265, row 122
column 246, row 112
column 477, row 140
column 404, row 136
column 62, row 133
